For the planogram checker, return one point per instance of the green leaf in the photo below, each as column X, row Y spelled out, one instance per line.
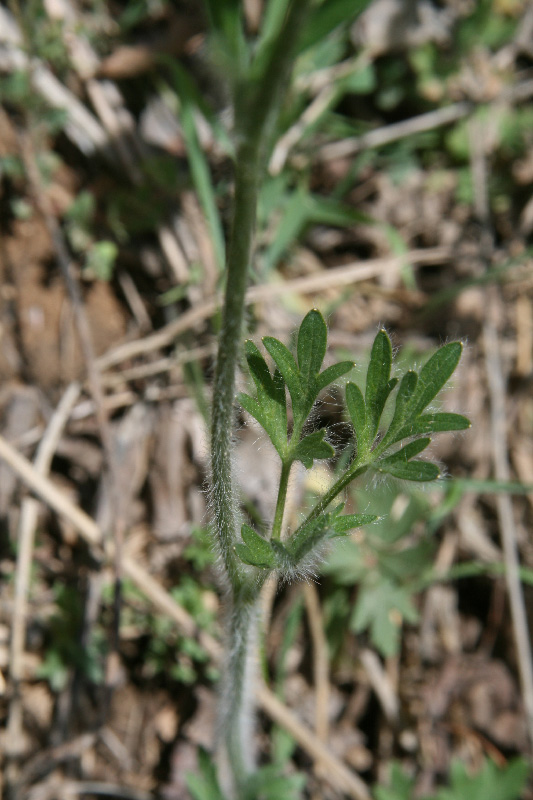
column 328, row 16
column 287, row 366
column 433, row 423
column 433, row 376
column 401, row 786
column 255, row 551
column 490, row 783
column 400, row 466
column 347, row 522
column 270, row 409
column 382, row 607
column 357, row 411
column 312, row 343
column 405, row 453
column 312, row 447
column 378, row 386
column 422, row 471
column 405, row 392
column 205, row 785
column 332, row 374
column 200, row 170
column 311, row 534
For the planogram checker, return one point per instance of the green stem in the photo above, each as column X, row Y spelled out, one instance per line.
column 257, row 98
column 350, row 475
column 282, row 497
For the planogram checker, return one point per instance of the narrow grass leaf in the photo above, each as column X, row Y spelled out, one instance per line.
column 312, row 447
column 434, row 375
column 198, row 162
column 312, row 343
column 328, row 16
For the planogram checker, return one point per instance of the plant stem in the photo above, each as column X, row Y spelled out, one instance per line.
column 282, row 497
column 257, row 98
column 350, row 475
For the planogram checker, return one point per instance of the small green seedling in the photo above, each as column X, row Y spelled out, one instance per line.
column 391, row 451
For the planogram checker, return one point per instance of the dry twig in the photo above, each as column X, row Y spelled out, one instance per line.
column 338, row 773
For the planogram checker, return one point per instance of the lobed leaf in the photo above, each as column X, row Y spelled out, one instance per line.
column 433, row 423
column 357, row 411
column 332, row 374
column 347, row 522
column 421, row 471
column 378, row 386
column 255, row 551
column 287, row 366
column 433, row 376
column 312, row 447
column 311, row 348
column 409, row 451
column 399, row 464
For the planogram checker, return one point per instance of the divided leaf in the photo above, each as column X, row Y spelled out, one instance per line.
column 399, row 464
column 286, row 364
column 312, row 447
column 333, row 373
column 255, row 551
column 378, row 385
column 433, row 376
column 270, row 407
column 304, row 382
column 312, row 343
column 357, row 412
column 348, row 522
column 433, row 423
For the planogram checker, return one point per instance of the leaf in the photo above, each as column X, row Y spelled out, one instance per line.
column 329, row 15
column 490, row 783
column 433, row 376
column 347, row 522
column 255, row 551
column 405, row 392
column 405, row 453
column 332, row 374
column 312, row 447
column 270, row 409
column 357, row 411
column 378, row 386
column 312, row 343
column 287, row 366
column 400, row 466
column 401, row 786
column 382, row 608
column 311, row 534
column 421, row 471
column 205, row 785
column 433, row 423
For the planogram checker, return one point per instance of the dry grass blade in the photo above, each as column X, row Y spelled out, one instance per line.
column 339, row 774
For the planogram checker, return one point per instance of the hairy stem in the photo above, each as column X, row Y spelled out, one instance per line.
column 257, row 98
